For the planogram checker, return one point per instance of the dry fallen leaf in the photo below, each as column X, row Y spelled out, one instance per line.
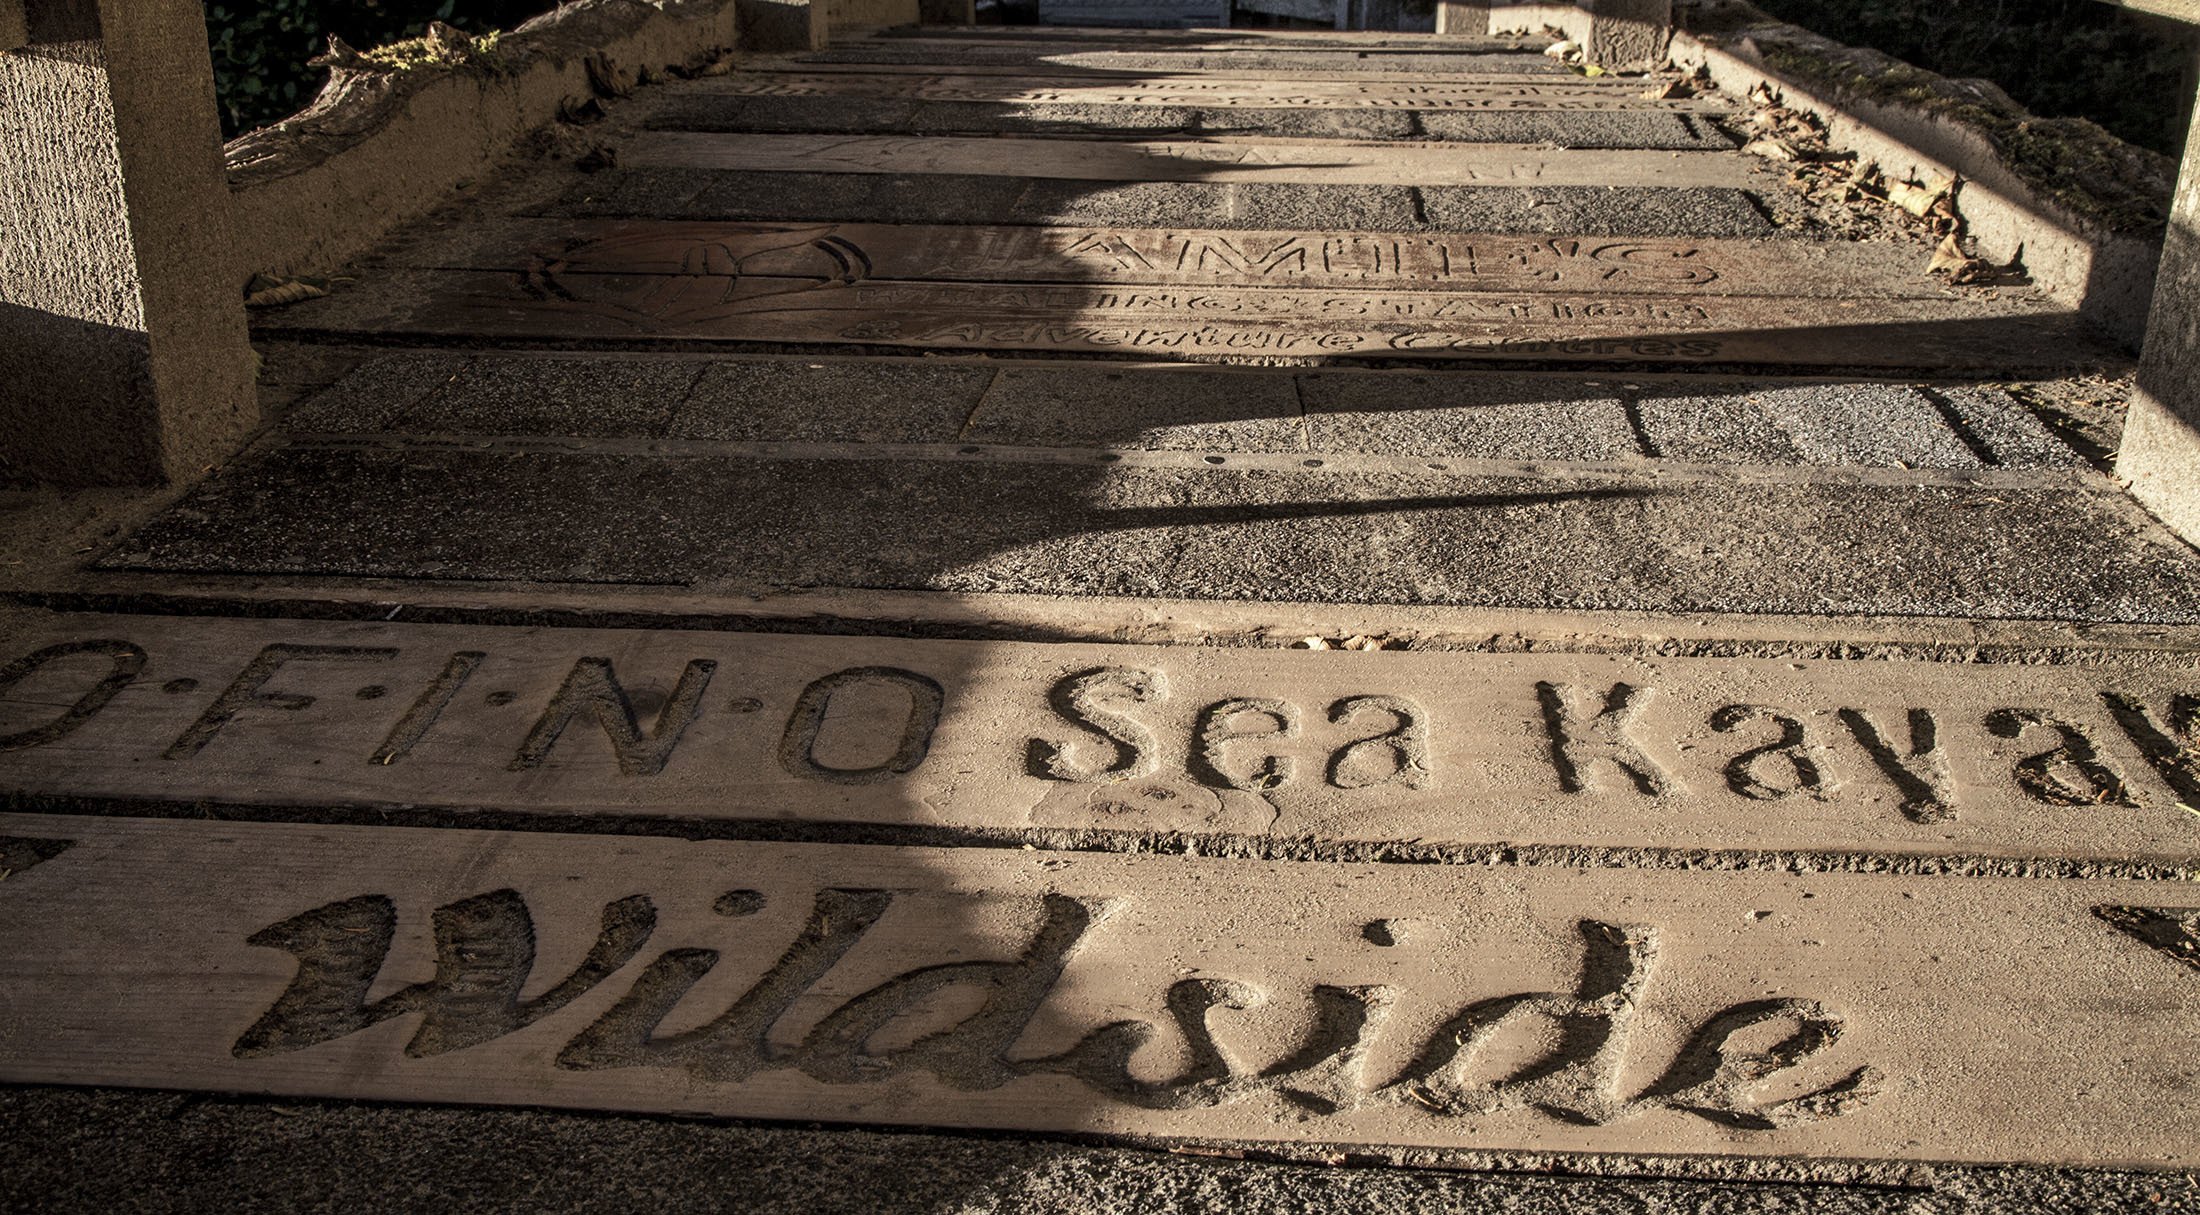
column 268, row 291
column 1919, row 199
column 1562, row 50
column 1960, row 267
column 1772, row 149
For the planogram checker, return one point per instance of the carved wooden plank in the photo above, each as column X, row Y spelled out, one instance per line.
column 1187, row 160
column 564, row 257
column 1162, row 322
column 1559, row 94
column 1739, row 1014
column 1439, row 749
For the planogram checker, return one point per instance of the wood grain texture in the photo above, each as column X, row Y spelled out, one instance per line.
column 1734, row 1014
column 1429, row 749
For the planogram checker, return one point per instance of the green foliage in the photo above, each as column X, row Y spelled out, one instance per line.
column 2060, row 58
column 261, row 47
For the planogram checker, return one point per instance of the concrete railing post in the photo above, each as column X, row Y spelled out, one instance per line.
column 2160, row 454
column 1628, row 33
column 124, row 357
column 781, row 26
column 1462, row 16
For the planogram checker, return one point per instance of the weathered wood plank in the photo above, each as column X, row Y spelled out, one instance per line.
column 1189, row 160
column 1925, row 336
column 1444, row 750
column 1557, row 94
column 1752, row 1014
column 562, row 256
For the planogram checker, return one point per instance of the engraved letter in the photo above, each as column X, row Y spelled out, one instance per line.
column 1577, row 1079
column 1715, row 1072
column 420, row 718
column 1743, row 772
column 592, row 689
column 1089, row 699
column 484, row 951
column 1578, row 744
column 2171, row 743
column 798, row 745
column 2070, row 773
column 1216, row 731
column 244, row 691
column 731, row 1046
column 2172, row 931
column 1921, row 776
column 1322, row 1075
column 972, row 1053
column 1398, row 755
column 125, row 661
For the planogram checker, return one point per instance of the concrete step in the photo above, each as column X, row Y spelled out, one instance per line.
column 1237, row 161
column 1395, row 62
column 682, row 109
column 701, row 192
column 1559, row 94
column 1668, row 422
column 1195, row 525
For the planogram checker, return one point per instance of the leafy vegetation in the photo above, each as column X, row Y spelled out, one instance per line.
column 2059, row 58
column 262, row 47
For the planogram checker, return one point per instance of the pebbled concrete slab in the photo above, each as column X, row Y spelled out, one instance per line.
column 370, row 396
column 1465, row 417
column 595, row 398
column 1042, row 57
column 1715, row 428
column 850, row 115
column 1401, row 412
column 1882, row 425
column 1183, row 410
column 1872, row 424
column 252, row 1155
column 839, row 401
column 2057, row 551
column 2011, row 434
column 1235, row 160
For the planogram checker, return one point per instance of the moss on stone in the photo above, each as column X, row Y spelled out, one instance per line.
column 444, row 48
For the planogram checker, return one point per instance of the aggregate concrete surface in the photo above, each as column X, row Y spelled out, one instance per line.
column 2026, row 552
column 122, row 1150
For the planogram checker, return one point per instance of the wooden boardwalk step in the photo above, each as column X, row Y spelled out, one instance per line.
column 1853, row 1017
column 1444, row 753
column 1188, row 292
